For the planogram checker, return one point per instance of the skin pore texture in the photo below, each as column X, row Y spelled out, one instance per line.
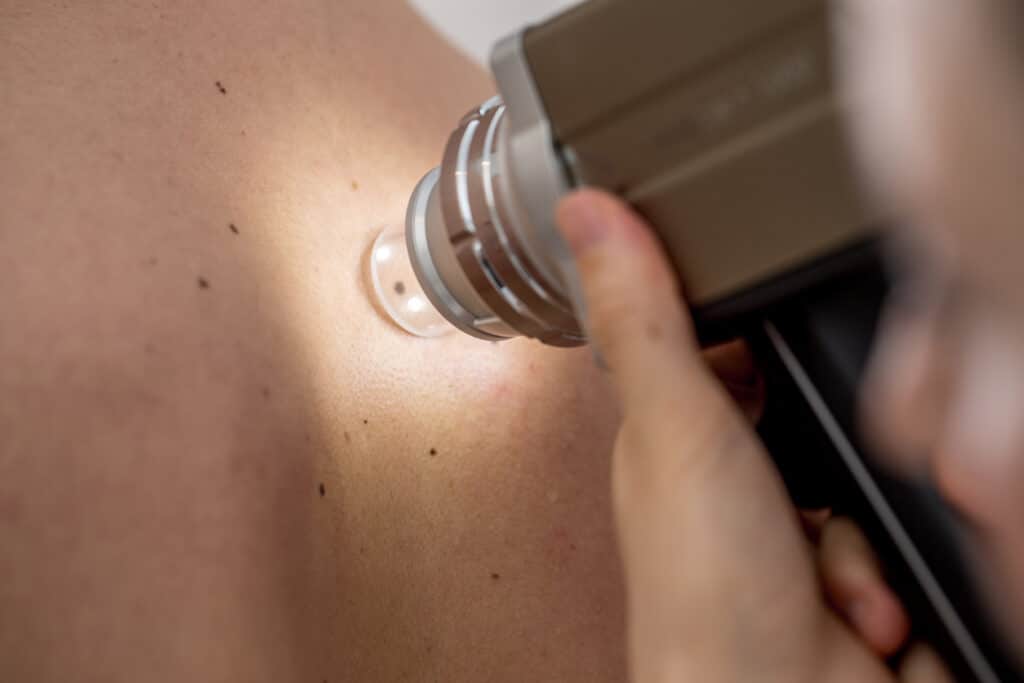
column 217, row 461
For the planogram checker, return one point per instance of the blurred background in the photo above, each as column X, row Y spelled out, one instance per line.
column 475, row 25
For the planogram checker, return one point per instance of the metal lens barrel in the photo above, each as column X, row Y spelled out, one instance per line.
column 466, row 250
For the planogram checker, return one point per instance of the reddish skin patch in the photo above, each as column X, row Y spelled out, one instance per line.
column 559, row 546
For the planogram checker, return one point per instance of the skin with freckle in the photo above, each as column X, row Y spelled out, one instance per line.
column 218, row 462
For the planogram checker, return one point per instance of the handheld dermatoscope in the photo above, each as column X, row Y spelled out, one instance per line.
column 721, row 123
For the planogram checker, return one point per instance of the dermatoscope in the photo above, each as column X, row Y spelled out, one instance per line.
column 722, row 124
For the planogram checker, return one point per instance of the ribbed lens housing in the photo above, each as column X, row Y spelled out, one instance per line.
column 466, row 248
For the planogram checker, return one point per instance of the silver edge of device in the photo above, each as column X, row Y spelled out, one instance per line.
column 423, row 265
column 535, row 171
column 480, row 229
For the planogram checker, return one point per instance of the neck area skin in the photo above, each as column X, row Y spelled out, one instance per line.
column 217, row 460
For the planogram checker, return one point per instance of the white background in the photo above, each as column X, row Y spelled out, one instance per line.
column 475, row 25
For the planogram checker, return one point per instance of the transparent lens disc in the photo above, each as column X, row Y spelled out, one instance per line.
column 398, row 291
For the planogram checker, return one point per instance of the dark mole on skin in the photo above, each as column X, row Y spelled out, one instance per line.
column 203, row 283
column 495, row 576
column 433, row 452
column 399, row 288
column 323, row 490
column 366, row 422
column 223, row 90
column 233, row 228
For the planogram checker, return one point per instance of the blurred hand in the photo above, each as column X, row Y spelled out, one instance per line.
column 722, row 583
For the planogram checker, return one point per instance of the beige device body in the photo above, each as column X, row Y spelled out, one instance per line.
column 719, row 121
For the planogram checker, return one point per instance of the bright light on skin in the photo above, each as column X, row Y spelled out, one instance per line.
column 416, row 304
column 398, row 291
column 383, row 254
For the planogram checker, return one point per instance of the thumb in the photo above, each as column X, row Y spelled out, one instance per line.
column 635, row 314
column 689, row 478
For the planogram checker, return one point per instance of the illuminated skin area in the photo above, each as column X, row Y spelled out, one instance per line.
column 218, row 462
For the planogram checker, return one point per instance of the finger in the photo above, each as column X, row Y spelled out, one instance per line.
column 733, row 365
column 635, row 315
column 922, row 665
column 854, row 584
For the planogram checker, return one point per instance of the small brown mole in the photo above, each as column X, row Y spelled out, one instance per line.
column 323, row 490
column 399, row 288
column 495, row 576
column 203, row 283
column 355, row 185
column 433, row 452
column 366, row 422
column 233, row 228
column 348, row 438
column 265, row 391
column 220, row 86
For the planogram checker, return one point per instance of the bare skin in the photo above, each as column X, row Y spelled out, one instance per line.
column 173, row 393
column 217, row 461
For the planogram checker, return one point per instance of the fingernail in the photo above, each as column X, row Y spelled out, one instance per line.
column 583, row 224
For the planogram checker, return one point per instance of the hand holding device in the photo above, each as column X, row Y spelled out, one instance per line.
column 720, row 582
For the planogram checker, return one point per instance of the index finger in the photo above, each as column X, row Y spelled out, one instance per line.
column 635, row 313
